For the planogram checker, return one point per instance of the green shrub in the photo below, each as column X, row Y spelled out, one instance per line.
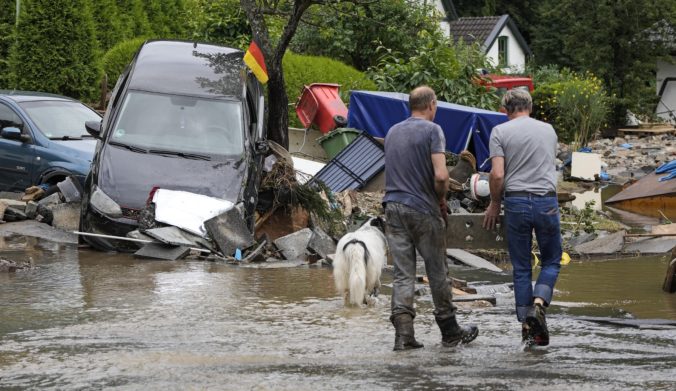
column 56, row 49
column 7, row 12
column 109, row 29
column 302, row 70
column 448, row 68
column 221, row 22
column 577, row 107
column 119, row 56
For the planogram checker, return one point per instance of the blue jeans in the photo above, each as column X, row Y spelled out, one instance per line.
column 523, row 215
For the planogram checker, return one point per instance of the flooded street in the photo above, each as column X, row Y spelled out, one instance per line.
column 89, row 320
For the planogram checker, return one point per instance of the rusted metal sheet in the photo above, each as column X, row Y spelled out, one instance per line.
column 648, row 186
column 465, row 232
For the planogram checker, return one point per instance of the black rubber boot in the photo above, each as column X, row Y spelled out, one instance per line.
column 404, row 336
column 453, row 334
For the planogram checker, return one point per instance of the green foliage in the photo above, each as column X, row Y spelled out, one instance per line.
column 450, row 69
column 119, row 56
column 7, row 12
column 108, row 25
column 302, row 70
column 56, row 57
column 584, row 219
column 576, row 105
column 351, row 32
column 133, row 19
column 218, row 21
column 610, row 38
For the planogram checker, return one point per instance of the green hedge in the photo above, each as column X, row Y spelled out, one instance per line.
column 300, row 70
column 56, row 49
column 577, row 106
column 117, row 58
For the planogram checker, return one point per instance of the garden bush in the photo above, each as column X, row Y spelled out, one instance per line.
column 576, row 105
column 55, row 49
column 300, row 70
column 117, row 58
column 449, row 68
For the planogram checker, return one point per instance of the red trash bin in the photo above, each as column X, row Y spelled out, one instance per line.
column 320, row 104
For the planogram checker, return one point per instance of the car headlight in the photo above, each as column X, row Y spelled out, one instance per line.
column 104, row 204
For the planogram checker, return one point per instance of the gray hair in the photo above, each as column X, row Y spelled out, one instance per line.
column 517, row 100
column 420, row 98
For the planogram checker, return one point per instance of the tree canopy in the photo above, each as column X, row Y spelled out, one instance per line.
column 351, row 32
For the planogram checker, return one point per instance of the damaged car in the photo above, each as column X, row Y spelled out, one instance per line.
column 183, row 116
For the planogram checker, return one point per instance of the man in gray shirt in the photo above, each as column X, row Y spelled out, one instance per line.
column 416, row 182
column 523, row 157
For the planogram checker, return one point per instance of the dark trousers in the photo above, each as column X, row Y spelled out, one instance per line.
column 524, row 215
column 407, row 231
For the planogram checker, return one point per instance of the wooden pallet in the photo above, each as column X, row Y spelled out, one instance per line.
column 642, row 132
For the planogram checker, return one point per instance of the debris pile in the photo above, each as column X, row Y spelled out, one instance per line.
column 7, row 266
column 57, row 205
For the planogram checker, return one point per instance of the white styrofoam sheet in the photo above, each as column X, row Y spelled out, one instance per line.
column 305, row 169
column 585, row 165
column 187, row 210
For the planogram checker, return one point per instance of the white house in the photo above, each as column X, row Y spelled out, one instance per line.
column 665, row 33
column 499, row 37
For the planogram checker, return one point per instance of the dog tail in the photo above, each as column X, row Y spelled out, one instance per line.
column 356, row 256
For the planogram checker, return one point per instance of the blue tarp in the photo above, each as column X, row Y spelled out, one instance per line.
column 376, row 112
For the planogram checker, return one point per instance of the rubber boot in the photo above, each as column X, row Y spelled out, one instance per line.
column 453, row 334
column 404, row 336
column 461, row 172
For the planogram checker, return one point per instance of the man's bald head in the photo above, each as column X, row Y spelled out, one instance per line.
column 421, row 98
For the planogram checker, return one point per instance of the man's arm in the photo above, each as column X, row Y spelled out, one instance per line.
column 496, row 182
column 440, row 175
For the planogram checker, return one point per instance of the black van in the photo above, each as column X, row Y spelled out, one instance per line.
column 183, row 116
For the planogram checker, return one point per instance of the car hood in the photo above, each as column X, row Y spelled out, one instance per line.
column 80, row 149
column 127, row 177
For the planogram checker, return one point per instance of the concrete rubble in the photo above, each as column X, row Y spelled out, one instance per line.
column 293, row 246
column 8, row 266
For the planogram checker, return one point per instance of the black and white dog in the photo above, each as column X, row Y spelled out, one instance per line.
column 359, row 261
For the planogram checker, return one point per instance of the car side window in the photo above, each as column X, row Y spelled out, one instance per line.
column 9, row 118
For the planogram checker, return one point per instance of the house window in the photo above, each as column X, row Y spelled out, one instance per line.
column 503, row 54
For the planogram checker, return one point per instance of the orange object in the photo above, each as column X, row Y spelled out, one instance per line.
column 320, row 104
column 254, row 59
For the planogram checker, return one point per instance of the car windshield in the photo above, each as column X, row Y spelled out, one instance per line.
column 161, row 122
column 60, row 119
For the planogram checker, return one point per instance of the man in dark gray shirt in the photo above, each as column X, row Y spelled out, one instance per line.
column 416, row 182
column 523, row 155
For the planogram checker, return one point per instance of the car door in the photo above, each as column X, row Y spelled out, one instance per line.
column 16, row 156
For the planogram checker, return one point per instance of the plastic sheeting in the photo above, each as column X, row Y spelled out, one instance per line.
column 464, row 127
column 187, row 210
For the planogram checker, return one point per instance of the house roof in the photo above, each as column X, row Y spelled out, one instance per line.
column 485, row 30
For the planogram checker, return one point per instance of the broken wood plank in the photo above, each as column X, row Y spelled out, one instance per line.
column 470, row 298
column 664, row 229
column 471, row 260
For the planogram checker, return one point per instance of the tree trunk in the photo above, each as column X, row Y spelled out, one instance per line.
column 278, row 102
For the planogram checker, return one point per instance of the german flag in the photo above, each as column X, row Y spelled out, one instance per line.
column 253, row 58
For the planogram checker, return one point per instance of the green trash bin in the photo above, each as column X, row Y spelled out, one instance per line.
column 337, row 139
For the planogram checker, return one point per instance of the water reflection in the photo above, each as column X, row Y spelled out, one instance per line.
column 94, row 320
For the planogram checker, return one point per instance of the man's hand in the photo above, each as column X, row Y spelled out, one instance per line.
column 492, row 215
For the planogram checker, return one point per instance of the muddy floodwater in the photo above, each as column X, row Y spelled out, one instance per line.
column 89, row 320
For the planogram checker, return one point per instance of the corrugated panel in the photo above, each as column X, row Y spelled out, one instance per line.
column 354, row 166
